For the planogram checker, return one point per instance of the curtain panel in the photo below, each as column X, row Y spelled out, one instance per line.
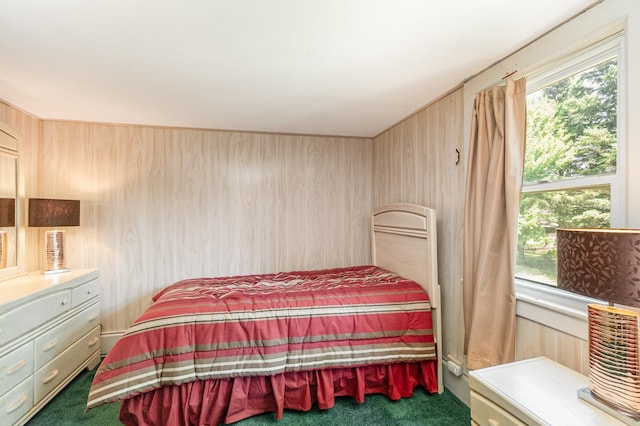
column 492, row 203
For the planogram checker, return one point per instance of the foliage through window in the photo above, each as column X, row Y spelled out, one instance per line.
column 570, row 159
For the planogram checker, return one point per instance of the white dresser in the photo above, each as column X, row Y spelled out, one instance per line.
column 49, row 332
column 535, row 391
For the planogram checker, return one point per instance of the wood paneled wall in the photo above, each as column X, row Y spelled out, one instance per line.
column 167, row 204
column 161, row 204
column 415, row 162
column 534, row 339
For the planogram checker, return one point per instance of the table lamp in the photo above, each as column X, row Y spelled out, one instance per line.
column 48, row 213
column 605, row 264
column 7, row 219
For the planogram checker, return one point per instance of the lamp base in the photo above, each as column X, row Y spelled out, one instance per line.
column 53, row 255
column 588, row 396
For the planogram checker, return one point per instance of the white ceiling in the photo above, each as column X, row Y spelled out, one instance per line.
column 330, row 67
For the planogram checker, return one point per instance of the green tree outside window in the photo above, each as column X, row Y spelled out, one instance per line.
column 571, row 134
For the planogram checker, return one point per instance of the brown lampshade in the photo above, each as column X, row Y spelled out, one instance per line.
column 7, row 212
column 600, row 263
column 44, row 212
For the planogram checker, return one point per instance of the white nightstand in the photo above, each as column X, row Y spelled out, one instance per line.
column 536, row 391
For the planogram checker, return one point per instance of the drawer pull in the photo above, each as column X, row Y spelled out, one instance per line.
column 93, row 341
column 64, row 301
column 16, row 367
column 90, row 291
column 49, row 377
column 93, row 317
column 52, row 344
column 16, row 404
column 493, row 422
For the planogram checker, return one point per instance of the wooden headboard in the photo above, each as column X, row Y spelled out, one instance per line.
column 403, row 240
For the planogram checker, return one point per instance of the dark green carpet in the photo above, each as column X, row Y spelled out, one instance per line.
column 67, row 408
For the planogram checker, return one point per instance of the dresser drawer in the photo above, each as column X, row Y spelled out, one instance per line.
column 56, row 340
column 17, row 402
column 486, row 413
column 85, row 292
column 55, row 372
column 25, row 318
column 15, row 367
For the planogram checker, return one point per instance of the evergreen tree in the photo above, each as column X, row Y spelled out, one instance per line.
column 571, row 132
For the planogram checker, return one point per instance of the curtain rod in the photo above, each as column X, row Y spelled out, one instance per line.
column 509, row 74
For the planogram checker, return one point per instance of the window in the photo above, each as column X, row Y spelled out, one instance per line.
column 571, row 173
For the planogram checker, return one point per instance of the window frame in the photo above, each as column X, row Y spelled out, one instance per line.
column 544, row 303
column 561, row 69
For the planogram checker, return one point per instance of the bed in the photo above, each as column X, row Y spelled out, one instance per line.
column 218, row 350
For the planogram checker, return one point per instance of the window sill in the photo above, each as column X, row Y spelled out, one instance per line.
column 554, row 308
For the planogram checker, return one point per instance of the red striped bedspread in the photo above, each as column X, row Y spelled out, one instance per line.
column 211, row 328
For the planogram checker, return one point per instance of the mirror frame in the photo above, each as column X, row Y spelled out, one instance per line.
column 11, row 147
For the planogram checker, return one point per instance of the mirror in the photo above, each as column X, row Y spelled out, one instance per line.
column 9, row 204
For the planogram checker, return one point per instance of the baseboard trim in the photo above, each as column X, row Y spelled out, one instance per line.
column 457, row 385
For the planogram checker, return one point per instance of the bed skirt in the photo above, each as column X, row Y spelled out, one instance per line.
column 223, row 401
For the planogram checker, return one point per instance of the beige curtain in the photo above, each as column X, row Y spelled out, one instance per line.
column 494, row 181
